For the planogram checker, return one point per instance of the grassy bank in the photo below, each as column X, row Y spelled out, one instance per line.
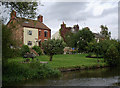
column 67, row 61
column 14, row 71
column 76, row 60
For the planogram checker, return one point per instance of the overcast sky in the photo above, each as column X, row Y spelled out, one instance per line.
column 90, row 14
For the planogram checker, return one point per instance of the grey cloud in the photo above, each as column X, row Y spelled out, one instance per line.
column 66, row 10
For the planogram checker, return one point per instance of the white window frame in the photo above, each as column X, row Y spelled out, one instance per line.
column 29, row 32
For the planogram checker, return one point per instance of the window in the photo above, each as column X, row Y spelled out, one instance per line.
column 39, row 33
column 30, row 43
column 45, row 33
column 29, row 32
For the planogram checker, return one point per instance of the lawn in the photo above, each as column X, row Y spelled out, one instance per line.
column 68, row 61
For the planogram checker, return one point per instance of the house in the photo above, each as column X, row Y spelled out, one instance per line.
column 98, row 37
column 56, row 35
column 27, row 31
column 64, row 30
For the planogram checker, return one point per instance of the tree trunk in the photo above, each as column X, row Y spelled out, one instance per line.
column 50, row 58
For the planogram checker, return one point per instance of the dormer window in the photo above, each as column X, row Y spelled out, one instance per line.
column 29, row 32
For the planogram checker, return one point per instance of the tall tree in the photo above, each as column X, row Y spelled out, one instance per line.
column 104, row 32
column 83, row 37
column 24, row 9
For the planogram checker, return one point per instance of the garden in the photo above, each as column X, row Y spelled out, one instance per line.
column 17, row 68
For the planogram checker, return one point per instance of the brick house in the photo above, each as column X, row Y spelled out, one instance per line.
column 27, row 31
column 64, row 30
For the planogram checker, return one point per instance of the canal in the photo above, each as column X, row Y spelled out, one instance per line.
column 95, row 77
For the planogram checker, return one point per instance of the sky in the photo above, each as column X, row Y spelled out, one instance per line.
column 90, row 14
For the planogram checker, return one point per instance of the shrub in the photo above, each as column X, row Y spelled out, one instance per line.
column 18, row 72
column 24, row 49
column 112, row 56
column 37, row 49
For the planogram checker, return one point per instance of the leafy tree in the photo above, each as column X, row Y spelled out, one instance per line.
column 52, row 47
column 70, row 40
column 112, row 56
column 83, row 37
column 6, row 42
column 37, row 49
column 25, row 9
column 104, row 32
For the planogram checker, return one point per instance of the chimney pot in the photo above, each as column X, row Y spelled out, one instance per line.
column 40, row 18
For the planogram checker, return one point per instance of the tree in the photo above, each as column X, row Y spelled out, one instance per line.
column 70, row 40
column 24, row 9
column 104, row 32
column 52, row 47
column 83, row 37
column 112, row 56
column 6, row 42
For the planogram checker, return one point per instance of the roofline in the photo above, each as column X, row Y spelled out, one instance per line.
column 36, row 28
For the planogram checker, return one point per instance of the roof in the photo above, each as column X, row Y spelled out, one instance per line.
column 98, row 35
column 31, row 23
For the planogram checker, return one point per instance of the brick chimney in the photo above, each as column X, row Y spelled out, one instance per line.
column 63, row 25
column 13, row 14
column 40, row 18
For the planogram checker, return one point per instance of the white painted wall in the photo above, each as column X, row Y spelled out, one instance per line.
column 30, row 37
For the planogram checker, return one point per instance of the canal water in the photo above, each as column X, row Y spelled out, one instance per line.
column 94, row 77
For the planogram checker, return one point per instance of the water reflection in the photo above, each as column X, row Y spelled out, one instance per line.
column 95, row 77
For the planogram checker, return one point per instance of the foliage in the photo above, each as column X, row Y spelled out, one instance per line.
column 80, row 39
column 83, row 37
column 24, row 49
column 70, row 39
column 25, row 9
column 112, row 56
column 101, row 47
column 52, row 47
column 37, row 49
column 16, row 71
column 104, row 32
column 6, row 42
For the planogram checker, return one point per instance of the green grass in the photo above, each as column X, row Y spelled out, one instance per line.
column 68, row 61
column 76, row 60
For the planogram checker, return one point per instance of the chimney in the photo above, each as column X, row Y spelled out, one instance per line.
column 63, row 25
column 13, row 14
column 40, row 18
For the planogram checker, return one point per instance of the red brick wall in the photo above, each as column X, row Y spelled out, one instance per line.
column 17, row 32
column 42, row 34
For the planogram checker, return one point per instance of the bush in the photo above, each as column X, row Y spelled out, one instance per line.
column 18, row 72
column 24, row 49
column 37, row 49
column 112, row 56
